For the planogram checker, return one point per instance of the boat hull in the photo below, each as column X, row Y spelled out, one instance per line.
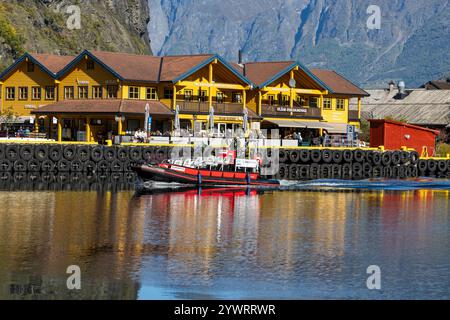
column 183, row 175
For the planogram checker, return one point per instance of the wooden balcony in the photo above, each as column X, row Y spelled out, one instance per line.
column 353, row 115
column 285, row 111
column 200, row 107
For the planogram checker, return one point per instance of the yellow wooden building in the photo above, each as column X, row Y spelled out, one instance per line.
column 97, row 95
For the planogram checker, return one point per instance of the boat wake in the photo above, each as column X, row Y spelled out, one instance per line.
column 371, row 184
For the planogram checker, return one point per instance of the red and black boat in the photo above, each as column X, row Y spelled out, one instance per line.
column 245, row 172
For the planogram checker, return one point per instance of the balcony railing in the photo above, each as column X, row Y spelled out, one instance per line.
column 203, row 107
column 353, row 115
column 286, row 111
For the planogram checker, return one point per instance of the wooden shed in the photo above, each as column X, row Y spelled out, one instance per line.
column 394, row 135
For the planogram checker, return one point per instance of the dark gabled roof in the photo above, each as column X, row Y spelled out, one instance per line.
column 338, row 84
column 144, row 68
column 437, row 85
column 264, row 73
column 49, row 63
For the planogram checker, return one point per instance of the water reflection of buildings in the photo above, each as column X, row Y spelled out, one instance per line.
column 191, row 239
column 42, row 233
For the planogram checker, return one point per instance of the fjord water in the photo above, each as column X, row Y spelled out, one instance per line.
column 226, row 244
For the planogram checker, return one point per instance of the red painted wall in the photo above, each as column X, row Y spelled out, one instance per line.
column 393, row 135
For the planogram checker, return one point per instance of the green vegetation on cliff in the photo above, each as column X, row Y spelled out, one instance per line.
column 42, row 27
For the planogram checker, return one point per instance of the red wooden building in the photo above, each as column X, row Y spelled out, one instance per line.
column 394, row 135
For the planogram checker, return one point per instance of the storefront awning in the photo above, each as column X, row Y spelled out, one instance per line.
column 300, row 124
column 331, row 128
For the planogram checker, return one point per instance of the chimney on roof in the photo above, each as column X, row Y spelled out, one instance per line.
column 391, row 86
column 240, row 62
column 401, row 87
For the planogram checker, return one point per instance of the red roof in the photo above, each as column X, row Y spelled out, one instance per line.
column 338, row 83
column 114, row 106
column 382, row 121
column 52, row 62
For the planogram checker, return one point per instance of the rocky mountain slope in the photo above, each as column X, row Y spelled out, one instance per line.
column 413, row 43
column 48, row 26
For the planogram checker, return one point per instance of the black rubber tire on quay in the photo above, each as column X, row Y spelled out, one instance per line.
column 336, row 170
column 123, row 154
column 414, row 171
column 110, row 154
column 76, row 177
column 69, row 152
column 20, row 166
column 161, row 154
column 26, row 152
column 442, row 165
column 432, row 165
column 376, row 158
column 284, row 156
column 358, row 155
column 12, row 153
column 103, row 166
column 347, row 155
column 377, row 172
column 148, row 154
column 48, row 166
column 405, row 157
column 136, row 154
column 367, row 170
column 327, row 156
column 368, row 156
column 48, row 177
column 402, row 174
column 422, row 165
column 316, row 155
column 408, row 169
column 283, row 172
column 347, row 171
column 294, row 156
column 34, row 165
column 357, row 167
column 41, row 152
column 293, row 171
column 83, row 153
column 5, row 177
column 338, row 156
column 63, row 166
column 89, row 166
column 326, row 171
column 396, row 158
column 63, row 177
column 20, row 176
column 314, row 171
column 303, row 172
column 414, row 156
column 117, row 166
column 386, row 158
column 76, row 166
column 2, row 151
column 305, row 156
column 6, row 165
column 55, row 153
column 97, row 154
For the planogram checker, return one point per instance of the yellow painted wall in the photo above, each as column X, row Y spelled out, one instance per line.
column 80, row 74
column 22, row 78
column 336, row 116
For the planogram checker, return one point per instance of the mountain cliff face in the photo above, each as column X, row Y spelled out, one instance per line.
column 413, row 43
column 42, row 26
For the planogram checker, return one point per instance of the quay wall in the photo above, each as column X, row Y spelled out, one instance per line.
column 78, row 162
